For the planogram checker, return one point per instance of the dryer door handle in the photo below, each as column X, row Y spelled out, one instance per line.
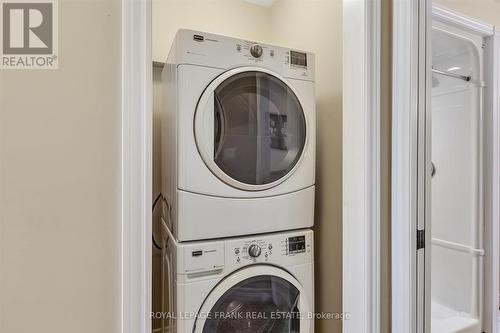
column 219, row 127
column 204, row 125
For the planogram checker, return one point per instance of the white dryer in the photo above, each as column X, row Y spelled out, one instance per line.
column 238, row 137
column 246, row 284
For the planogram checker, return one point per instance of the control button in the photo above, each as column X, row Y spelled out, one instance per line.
column 256, row 50
column 254, row 250
column 238, row 48
column 237, row 251
column 270, row 246
column 238, row 260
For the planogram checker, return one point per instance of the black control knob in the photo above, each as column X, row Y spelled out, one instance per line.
column 256, row 51
column 254, row 251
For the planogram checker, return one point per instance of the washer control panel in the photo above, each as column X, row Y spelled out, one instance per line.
column 296, row 244
column 275, row 248
column 199, row 258
column 254, row 251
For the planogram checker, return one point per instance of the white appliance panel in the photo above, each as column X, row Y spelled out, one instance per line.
column 290, row 253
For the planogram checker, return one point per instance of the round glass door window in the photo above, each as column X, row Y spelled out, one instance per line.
column 261, row 304
column 259, row 128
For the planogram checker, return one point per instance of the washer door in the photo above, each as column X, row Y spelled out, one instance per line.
column 259, row 299
column 250, row 128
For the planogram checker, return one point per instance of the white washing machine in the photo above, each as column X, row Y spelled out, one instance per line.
column 238, row 137
column 245, row 285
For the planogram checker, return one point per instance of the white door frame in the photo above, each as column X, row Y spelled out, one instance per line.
column 492, row 188
column 408, row 101
column 361, row 165
column 137, row 119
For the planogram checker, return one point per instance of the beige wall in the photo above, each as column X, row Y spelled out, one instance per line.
column 317, row 26
column 309, row 25
column 229, row 17
column 157, row 284
column 60, row 181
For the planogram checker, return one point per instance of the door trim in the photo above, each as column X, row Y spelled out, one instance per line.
column 442, row 14
column 361, row 165
column 406, row 96
column 136, row 167
column 492, row 189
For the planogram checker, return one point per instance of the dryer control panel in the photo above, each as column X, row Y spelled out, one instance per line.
column 206, row 49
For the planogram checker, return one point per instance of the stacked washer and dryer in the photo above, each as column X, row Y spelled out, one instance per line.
column 238, row 182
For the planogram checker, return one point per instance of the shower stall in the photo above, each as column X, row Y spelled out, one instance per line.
column 456, row 210
column 446, row 171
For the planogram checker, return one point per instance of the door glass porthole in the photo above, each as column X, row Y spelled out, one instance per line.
column 266, row 304
column 259, row 128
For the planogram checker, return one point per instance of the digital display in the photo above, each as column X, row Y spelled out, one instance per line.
column 297, row 244
column 298, row 58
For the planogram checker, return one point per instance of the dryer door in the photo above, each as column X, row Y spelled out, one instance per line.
column 261, row 299
column 250, row 128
